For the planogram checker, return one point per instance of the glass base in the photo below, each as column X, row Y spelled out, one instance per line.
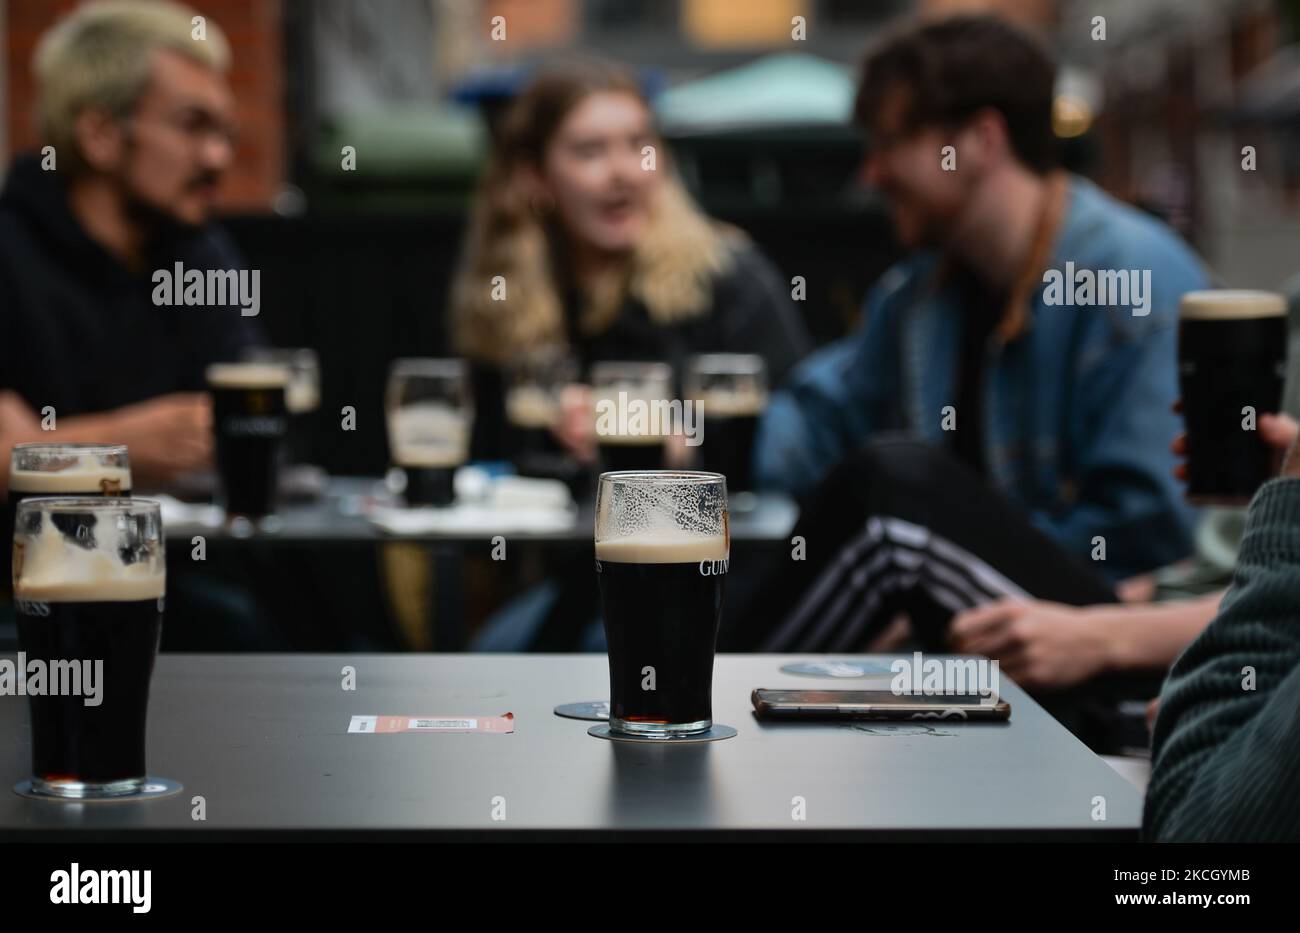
column 659, row 729
column 80, row 792
column 714, row 734
column 86, row 790
column 246, row 526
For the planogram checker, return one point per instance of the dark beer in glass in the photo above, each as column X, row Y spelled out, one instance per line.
column 534, row 410
column 430, row 415
column 301, row 395
column 1231, row 367
column 662, row 556
column 732, row 388
column 250, row 421
column 625, row 438
column 89, row 579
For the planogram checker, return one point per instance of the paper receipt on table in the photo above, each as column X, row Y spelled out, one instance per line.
column 498, row 724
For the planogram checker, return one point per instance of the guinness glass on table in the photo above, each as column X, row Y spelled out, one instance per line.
column 631, row 434
column 533, row 411
column 301, row 395
column 1231, row 357
column 429, row 414
column 89, row 578
column 662, row 555
column 733, row 390
column 250, row 420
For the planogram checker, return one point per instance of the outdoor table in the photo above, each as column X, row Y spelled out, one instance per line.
column 264, row 741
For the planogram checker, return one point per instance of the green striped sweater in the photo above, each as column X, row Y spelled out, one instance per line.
column 1226, row 757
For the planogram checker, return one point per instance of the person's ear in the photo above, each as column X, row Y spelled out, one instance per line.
column 986, row 139
column 533, row 189
column 100, row 139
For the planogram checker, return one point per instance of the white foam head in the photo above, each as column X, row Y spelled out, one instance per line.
column 532, row 407
column 301, row 396
column 1230, row 304
column 428, row 434
column 81, row 478
column 664, row 548
column 733, row 402
column 248, row 376
column 51, row 567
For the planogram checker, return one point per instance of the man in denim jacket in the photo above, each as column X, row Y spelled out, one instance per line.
column 1061, row 398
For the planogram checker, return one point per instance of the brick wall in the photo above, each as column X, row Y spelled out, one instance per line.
column 253, row 28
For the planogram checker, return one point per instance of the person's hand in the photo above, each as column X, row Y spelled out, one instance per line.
column 17, row 420
column 1277, row 431
column 1038, row 644
column 1153, row 710
column 18, row 424
column 167, row 436
column 1291, row 461
column 677, row 456
column 576, row 431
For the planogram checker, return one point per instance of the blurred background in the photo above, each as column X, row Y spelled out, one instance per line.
column 1157, row 113
column 357, row 264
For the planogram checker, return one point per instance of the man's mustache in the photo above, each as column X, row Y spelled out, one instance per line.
column 205, row 179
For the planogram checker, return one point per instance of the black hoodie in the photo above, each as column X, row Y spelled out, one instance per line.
column 78, row 329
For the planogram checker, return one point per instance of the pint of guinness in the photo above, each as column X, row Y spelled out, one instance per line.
column 250, row 420
column 534, row 411
column 662, row 556
column 301, row 395
column 732, row 387
column 1231, row 367
column 89, row 578
column 430, row 416
column 628, row 437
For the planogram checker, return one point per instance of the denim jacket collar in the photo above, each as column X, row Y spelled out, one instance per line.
column 930, row 335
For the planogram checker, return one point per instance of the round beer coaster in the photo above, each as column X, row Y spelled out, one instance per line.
column 835, row 668
column 154, row 788
column 716, row 733
column 595, row 710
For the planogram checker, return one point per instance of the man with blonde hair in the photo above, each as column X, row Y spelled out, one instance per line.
column 136, row 118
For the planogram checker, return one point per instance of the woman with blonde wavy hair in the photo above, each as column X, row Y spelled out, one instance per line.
column 582, row 239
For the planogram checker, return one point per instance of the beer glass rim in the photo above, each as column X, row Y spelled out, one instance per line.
column 675, row 477
column 283, row 378
column 640, row 367
column 740, row 364
column 117, row 504
column 427, row 366
column 286, row 355
column 79, row 446
column 1249, row 304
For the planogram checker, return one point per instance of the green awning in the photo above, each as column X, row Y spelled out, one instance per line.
column 788, row 89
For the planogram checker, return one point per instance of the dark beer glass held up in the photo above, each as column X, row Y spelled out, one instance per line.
column 1231, row 367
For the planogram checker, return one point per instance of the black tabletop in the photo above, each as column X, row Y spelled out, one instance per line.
column 264, row 741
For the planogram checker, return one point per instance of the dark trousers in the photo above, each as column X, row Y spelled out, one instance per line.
column 902, row 526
